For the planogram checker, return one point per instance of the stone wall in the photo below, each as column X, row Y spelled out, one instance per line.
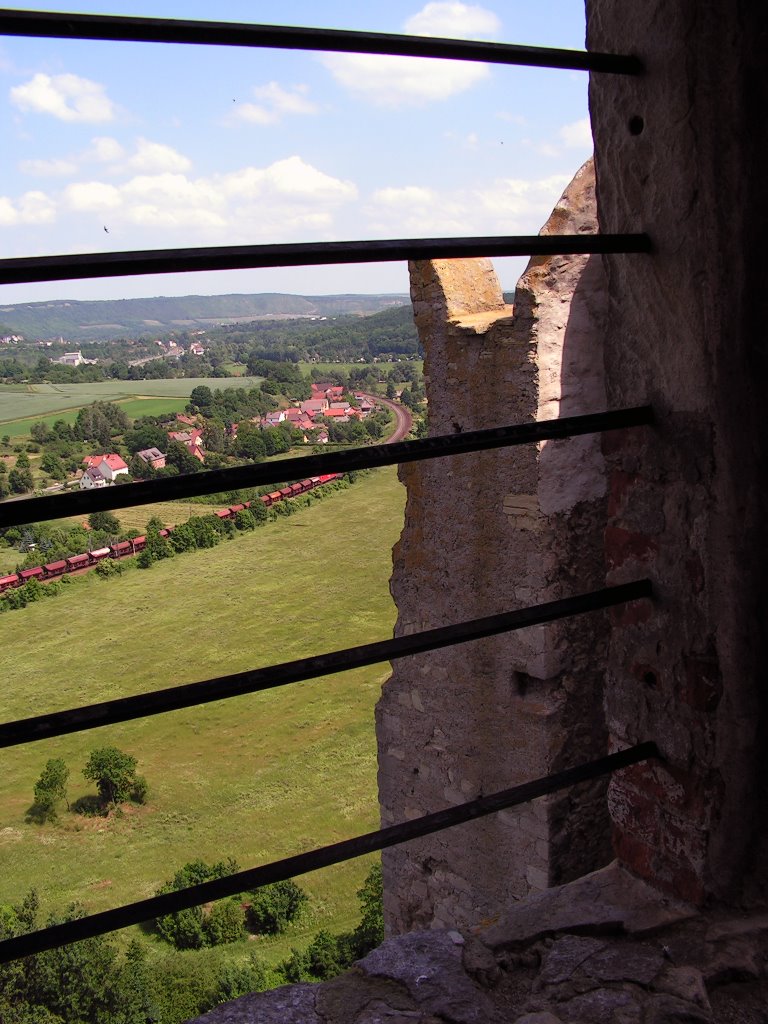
column 491, row 532
column 680, row 155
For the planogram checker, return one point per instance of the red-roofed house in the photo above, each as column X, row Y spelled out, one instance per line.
column 109, row 465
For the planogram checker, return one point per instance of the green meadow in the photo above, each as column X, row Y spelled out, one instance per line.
column 257, row 777
column 19, row 409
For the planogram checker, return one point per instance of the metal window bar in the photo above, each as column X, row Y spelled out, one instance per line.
column 237, row 684
column 15, row 513
column 78, row 266
column 222, row 33
column 290, row 867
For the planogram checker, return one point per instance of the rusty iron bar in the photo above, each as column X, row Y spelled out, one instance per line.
column 29, row 510
column 51, row 25
column 324, row 856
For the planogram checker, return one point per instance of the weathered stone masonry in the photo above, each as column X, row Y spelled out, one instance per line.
column 490, row 532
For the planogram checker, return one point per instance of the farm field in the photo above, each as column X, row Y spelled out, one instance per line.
column 19, row 409
column 256, row 778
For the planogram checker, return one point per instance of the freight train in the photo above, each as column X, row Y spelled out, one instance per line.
column 126, row 548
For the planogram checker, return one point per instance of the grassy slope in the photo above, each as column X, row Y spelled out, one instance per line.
column 257, row 777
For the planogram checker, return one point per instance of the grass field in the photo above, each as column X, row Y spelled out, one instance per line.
column 43, row 401
column 257, row 777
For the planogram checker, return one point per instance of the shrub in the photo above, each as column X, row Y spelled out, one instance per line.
column 274, row 906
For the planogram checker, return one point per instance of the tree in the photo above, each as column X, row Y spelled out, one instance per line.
column 20, row 480
column 201, row 396
column 53, row 466
column 370, row 932
column 105, row 521
column 22, row 460
column 180, row 457
column 114, row 773
column 245, row 520
column 51, row 788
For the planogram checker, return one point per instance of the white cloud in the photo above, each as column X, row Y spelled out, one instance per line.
column 67, row 97
column 396, row 81
column 104, row 149
column 32, row 208
column 57, row 167
column 8, row 213
column 577, row 135
column 92, row 196
column 408, row 195
column 284, row 199
column 500, row 206
column 275, row 103
column 453, row 20
column 156, row 157
column 519, row 204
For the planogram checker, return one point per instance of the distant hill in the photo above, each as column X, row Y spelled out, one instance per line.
column 131, row 318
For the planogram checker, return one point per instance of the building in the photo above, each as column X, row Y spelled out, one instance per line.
column 153, row 457
column 92, row 478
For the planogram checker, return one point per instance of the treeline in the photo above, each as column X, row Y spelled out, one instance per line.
column 344, row 339
column 90, row 982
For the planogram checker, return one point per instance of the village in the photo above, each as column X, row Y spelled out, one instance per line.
column 310, row 418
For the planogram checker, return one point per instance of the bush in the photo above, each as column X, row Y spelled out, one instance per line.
column 225, row 922
column 191, row 928
column 274, row 906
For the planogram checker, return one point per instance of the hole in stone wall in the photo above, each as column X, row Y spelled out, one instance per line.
column 650, row 680
column 636, row 125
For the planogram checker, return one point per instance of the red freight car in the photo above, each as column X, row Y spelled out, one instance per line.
column 75, row 562
column 31, row 574
column 7, row 582
column 55, row 569
column 97, row 554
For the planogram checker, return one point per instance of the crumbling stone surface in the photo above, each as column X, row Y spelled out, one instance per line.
column 686, row 507
column 661, row 975
column 486, row 533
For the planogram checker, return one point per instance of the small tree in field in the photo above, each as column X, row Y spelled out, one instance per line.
column 106, row 521
column 51, row 788
column 114, row 773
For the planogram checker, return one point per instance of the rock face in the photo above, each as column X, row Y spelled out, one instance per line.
column 487, row 533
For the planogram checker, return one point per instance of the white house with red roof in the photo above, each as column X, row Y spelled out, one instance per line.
column 109, row 466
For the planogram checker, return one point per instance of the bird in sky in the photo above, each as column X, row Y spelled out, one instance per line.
column 106, row 229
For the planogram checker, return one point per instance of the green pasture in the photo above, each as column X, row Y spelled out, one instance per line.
column 257, row 777
column 38, row 401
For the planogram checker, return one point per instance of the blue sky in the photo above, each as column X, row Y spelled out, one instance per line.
column 172, row 146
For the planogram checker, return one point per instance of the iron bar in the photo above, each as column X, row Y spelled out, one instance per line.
column 306, row 254
column 15, row 513
column 221, row 33
column 324, row 856
column 173, row 698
